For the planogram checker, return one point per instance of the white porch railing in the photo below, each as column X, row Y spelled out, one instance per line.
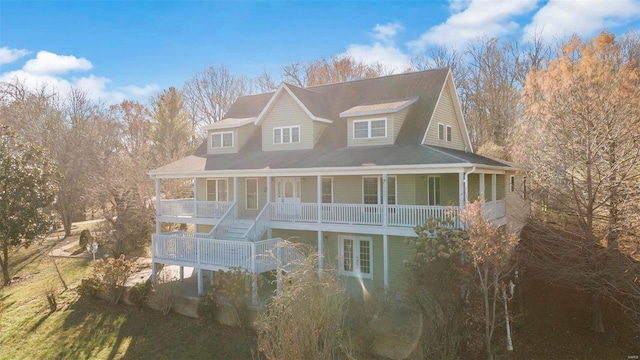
column 296, row 212
column 260, row 225
column 201, row 251
column 192, row 208
column 353, row 214
column 226, row 221
column 493, row 210
column 412, row 215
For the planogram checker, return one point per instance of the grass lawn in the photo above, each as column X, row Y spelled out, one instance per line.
column 97, row 329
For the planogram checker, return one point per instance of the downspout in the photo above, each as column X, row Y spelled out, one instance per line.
column 466, row 184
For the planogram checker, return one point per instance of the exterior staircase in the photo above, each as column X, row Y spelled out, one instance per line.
column 237, row 230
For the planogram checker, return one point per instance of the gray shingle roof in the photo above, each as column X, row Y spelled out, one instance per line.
column 328, row 101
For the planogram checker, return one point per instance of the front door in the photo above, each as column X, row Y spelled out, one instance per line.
column 288, row 190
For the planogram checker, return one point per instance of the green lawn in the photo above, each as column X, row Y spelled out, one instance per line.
column 96, row 329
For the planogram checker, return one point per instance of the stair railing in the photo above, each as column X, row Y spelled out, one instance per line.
column 226, row 222
column 259, row 226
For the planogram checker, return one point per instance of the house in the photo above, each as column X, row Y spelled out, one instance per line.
column 349, row 168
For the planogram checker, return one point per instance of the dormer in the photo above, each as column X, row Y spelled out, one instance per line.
column 376, row 124
column 293, row 119
column 229, row 135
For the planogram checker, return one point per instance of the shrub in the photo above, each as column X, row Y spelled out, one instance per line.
column 89, row 287
column 50, row 293
column 165, row 292
column 114, row 274
column 307, row 319
column 208, row 306
column 139, row 294
column 85, row 238
column 235, row 289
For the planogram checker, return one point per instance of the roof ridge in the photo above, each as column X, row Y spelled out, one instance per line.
column 376, row 78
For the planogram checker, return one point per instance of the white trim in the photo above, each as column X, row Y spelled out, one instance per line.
column 217, row 179
column 281, row 128
column 369, row 135
column 246, row 194
column 269, row 105
column 221, row 125
column 347, row 114
column 512, row 183
column 322, row 188
column 381, row 198
column 441, row 125
column 221, row 133
column 448, row 136
column 439, row 192
column 356, row 256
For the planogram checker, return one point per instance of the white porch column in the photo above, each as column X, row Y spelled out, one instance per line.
column 385, row 199
column 181, row 273
column 154, row 271
column 195, row 197
column 385, row 250
column 493, row 187
column 268, row 189
column 200, row 291
column 235, row 189
column 320, row 252
column 482, row 196
column 461, row 188
column 319, row 197
column 158, row 229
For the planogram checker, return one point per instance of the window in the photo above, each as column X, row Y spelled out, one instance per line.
column 433, row 190
column 217, row 190
column 356, row 255
column 363, row 129
column 512, row 183
column 444, row 132
column 372, row 190
column 251, row 189
column 222, row 139
column 327, row 190
column 286, row 135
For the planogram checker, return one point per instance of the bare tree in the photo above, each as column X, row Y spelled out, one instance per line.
column 333, row 70
column 209, row 94
column 579, row 138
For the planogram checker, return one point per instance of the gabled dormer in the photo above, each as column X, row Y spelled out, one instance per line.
column 229, row 135
column 293, row 119
column 376, row 124
column 447, row 127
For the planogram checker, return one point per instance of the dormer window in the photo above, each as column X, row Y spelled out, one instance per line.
column 222, row 140
column 286, row 135
column 444, row 132
column 373, row 128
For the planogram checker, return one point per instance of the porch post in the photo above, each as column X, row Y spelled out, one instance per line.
column 385, row 251
column 200, row 291
column 493, row 187
column 482, row 197
column 319, row 199
column 461, row 188
column 157, row 205
column 235, row 189
column 195, row 197
column 181, row 273
column 154, row 271
column 385, row 199
column 268, row 189
column 320, row 252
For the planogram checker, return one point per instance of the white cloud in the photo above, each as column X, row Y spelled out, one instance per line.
column 561, row 18
column 471, row 19
column 383, row 50
column 49, row 69
column 10, row 55
column 50, row 63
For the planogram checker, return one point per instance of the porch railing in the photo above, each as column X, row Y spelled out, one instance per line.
column 296, row 212
column 190, row 207
column 353, row 214
column 412, row 215
column 260, row 225
column 493, row 210
column 226, row 222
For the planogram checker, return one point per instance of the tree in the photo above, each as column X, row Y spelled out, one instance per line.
column 209, row 94
column 27, row 187
column 579, row 138
column 333, row 70
column 171, row 133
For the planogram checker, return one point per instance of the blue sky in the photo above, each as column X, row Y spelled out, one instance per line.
column 118, row 49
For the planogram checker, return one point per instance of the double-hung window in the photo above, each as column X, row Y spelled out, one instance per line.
column 327, row 190
column 372, row 189
column 217, row 190
column 373, row 128
column 433, row 190
column 251, row 189
column 444, row 132
column 222, row 139
column 286, row 135
column 356, row 256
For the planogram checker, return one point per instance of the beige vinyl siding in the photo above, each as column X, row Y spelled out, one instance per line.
column 421, row 190
column 204, row 229
column 201, row 185
column 286, row 112
column 223, row 150
column 347, row 189
column 474, row 187
column 387, row 140
column 398, row 120
column 318, row 128
column 500, row 186
column 445, row 114
column 405, row 189
column 487, row 187
column 398, row 253
column 244, row 133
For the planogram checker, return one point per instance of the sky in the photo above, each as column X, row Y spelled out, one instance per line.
column 118, row 50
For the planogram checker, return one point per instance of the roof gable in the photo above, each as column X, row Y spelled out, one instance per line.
column 311, row 99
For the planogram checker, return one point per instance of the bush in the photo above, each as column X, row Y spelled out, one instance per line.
column 114, row 274
column 307, row 319
column 89, row 288
column 165, row 292
column 208, row 306
column 139, row 294
column 235, row 289
column 85, row 238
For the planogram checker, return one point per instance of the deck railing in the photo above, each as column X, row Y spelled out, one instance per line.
column 412, row 215
column 226, row 221
column 296, row 212
column 352, row 214
column 202, row 251
column 190, row 207
column 260, row 225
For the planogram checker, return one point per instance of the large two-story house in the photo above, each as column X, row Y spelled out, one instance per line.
column 349, row 168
